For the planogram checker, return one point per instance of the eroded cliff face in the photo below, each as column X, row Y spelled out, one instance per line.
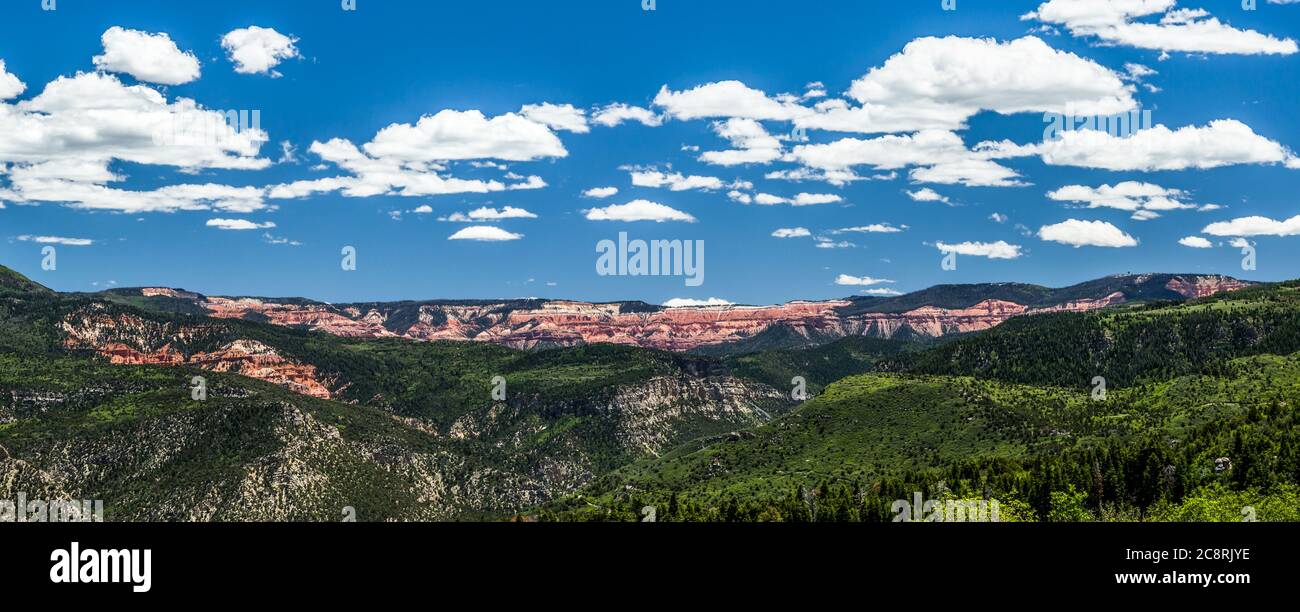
column 562, row 323
column 1204, row 286
column 131, row 340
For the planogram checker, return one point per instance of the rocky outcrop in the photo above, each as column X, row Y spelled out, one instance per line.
column 131, row 340
column 1204, row 286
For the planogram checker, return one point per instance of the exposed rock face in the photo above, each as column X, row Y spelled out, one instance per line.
column 130, row 340
column 561, row 323
column 1204, row 286
column 350, row 323
column 575, row 323
column 171, row 293
column 1084, row 305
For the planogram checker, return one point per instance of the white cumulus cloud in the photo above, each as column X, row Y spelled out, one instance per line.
column 1254, row 226
column 674, row 181
column 615, row 114
column 1144, row 200
column 485, row 233
column 558, row 116
column 258, row 50
column 694, row 303
column 1196, row 242
column 10, row 85
column 1223, row 142
column 992, row 250
column 1078, row 233
column 147, row 57
column 1118, row 22
column 926, row 194
column 638, row 210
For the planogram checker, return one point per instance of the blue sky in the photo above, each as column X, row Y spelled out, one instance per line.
column 350, row 74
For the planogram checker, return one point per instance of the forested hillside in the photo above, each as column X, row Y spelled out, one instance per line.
column 95, row 402
column 1198, row 423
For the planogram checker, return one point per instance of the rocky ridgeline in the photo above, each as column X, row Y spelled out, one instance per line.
column 544, row 324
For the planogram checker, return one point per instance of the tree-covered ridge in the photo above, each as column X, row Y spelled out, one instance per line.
column 136, row 438
column 1197, row 422
column 12, row 281
column 1126, row 345
column 821, row 365
column 1134, row 288
column 1174, row 450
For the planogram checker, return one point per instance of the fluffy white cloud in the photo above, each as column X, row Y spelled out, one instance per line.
column 674, row 181
column 485, row 233
column 1078, row 233
column 724, row 100
column 927, row 195
column 59, row 240
column 410, row 160
column 94, row 117
column 1196, row 242
column 860, row 281
column 10, row 85
column 638, row 210
column 940, row 155
column 490, row 214
column 752, row 144
column 885, row 152
column 1144, row 200
column 60, row 145
column 968, row 172
column 1254, row 226
column 991, row 250
column 934, row 83
column 802, row 199
column 792, row 232
column 1137, row 72
column 557, row 116
column 939, row 83
column 238, row 224
column 147, row 57
column 836, row 177
column 615, row 114
column 1116, row 22
column 601, row 193
column 693, row 303
column 257, row 50
column 1220, row 143
column 462, row 135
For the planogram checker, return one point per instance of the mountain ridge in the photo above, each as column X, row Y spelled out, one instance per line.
column 935, row 312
